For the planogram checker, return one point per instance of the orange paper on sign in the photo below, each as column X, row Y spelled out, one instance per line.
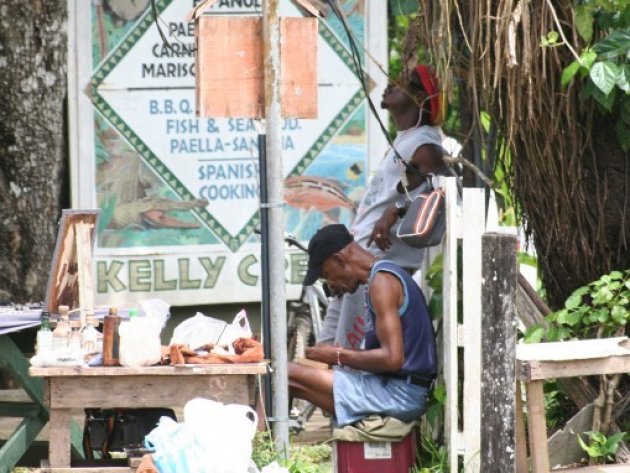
column 229, row 67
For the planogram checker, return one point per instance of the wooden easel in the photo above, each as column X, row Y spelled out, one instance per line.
column 71, row 281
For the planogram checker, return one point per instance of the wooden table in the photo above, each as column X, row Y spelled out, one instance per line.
column 34, row 415
column 537, row 362
column 69, row 388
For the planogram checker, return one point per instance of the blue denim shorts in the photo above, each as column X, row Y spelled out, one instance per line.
column 358, row 394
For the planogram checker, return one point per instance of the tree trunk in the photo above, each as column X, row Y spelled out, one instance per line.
column 579, row 243
column 33, row 154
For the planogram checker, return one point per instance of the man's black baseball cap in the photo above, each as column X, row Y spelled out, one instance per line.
column 325, row 243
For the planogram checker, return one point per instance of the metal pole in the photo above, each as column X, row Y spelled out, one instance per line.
column 275, row 179
column 264, row 263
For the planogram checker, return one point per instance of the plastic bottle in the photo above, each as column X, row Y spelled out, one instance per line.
column 44, row 335
column 111, row 338
column 61, row 334
column 89, row 335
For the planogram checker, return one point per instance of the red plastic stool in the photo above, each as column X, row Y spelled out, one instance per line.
column 375, row 457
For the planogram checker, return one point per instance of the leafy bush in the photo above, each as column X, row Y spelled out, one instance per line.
column 599, row 309
column 601, row 448
column 605, row 63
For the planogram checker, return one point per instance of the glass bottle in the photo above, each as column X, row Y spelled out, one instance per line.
column 62, row 332
column 89, row 334
column 111, row 338
column 44, row 343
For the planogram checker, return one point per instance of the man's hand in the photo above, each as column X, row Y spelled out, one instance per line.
column 323, row 352
column 380, row 232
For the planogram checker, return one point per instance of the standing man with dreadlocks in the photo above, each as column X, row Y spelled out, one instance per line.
column 415, row 109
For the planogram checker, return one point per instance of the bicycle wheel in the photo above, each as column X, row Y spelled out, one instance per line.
column 300, row 337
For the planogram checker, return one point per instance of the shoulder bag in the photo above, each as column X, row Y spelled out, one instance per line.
column 424, row 222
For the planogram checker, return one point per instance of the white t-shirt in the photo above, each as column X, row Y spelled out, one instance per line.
column 381, row 193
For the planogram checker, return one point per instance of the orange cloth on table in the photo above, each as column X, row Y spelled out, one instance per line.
column 147, row 465
column 247, row 350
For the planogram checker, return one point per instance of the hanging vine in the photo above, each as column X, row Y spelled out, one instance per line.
column 564, row 160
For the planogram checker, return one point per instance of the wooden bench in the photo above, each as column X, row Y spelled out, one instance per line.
column 537, row 362
column 70, row 388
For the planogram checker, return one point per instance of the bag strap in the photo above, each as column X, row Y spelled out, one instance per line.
column 405, row 182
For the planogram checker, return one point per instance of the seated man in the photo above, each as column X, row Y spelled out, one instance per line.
column 394, row 372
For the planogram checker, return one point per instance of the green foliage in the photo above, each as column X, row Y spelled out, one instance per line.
column 302, row 459
column 601, row 447
column 309, row 459
column 264, row 450
column 432, row 457
column 403, row 7
column 435, row 404
column 599, row 309
column 604, row 64
column 501, row 178
column 434, row 281
column 558, row 407
column 551, row 40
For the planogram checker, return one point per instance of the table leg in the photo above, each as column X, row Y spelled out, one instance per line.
column 59, row 441
column 521, row 438
column 537, row 426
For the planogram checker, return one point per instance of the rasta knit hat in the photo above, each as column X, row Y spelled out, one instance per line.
column 429, row 82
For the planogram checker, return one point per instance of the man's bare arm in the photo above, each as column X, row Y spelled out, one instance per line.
column 426, row 159
column 386, row 294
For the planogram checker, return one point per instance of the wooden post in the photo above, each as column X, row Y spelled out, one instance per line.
column 537, row 426
column 449, row 328
column 498, row 382
column 473, row 228
column 59, row 441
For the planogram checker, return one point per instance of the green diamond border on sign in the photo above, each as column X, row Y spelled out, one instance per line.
column 233, row 242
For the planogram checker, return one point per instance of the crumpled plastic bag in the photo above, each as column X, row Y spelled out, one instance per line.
column 174, row 448
column 201, row 330
column 214, row 438
column 140, row 343
column 274, row 468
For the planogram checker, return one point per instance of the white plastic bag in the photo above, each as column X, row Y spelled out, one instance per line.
column 156, row 309
column 140, row 343
column 201, row 330
column 274, row 468
column 214, row 438
column 174, row 448
column 223, row 432
column 239, row 328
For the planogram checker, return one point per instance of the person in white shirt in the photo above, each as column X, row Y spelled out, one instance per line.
column 415, row 109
